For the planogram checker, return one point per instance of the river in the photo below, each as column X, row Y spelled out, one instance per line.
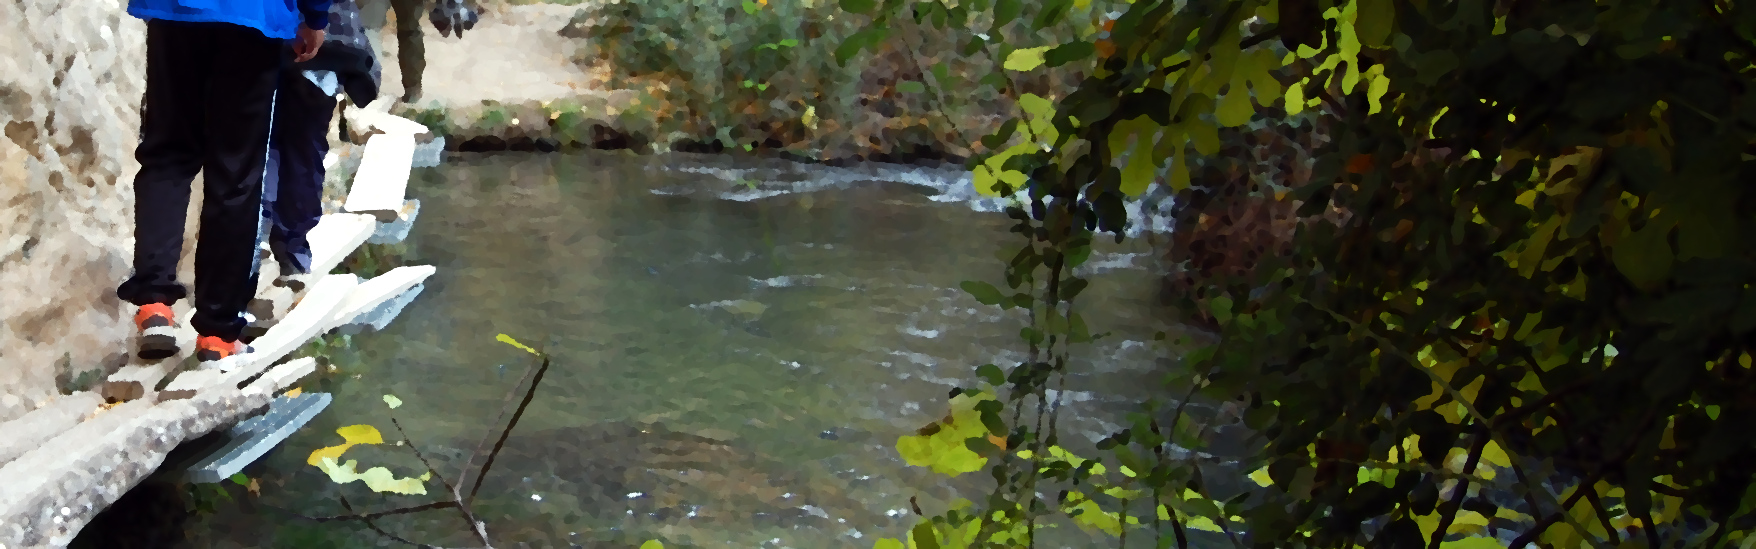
column 738, row 344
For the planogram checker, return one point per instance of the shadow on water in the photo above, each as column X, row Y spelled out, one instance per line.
column 738, row 346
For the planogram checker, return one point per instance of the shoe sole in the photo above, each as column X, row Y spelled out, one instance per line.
column 158, row 344
column 226, row 364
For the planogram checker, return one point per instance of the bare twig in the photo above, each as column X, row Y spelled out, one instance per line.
column 528, row 395
column 1225, row 523
column 462, row 508
column 380, row 531
column 1448, row 513
column 1603, row 516
column 481, row 447
column 369, row 516
column 1589, row 483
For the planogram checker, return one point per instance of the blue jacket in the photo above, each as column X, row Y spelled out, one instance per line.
column 274, row 18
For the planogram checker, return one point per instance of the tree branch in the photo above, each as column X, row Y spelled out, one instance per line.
column 504, row 433
column 1448, row 513
column 462, row 508
column 1588, row 484
column 369, row 516
column 380, row 531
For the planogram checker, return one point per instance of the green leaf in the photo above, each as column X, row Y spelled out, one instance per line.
column 751, row 7
column 503, row 338
column 887, row 543
column 860, row 40
column 1234, row 107
column 991, row 374
column 1076, row 257
column 1179, row 176
column 1221, row 308
column 1645, row 257
column 1069, row 52
column 392, row 401
column 1025, row 59
column 1005, row 11
column 924, row 536
column 240, row 479
column 943, row 74
column 1373, row 22
column 652, row 544
column 1142, row 167
column 858, row 6
column 982, row 291
column 910, row 86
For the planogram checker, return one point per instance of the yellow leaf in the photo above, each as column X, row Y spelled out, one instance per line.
column 1036, row 106
column 1377, row 85
column 352, row 434
column 293, row 393
column 1472, row 543
column 503, row 338
column 330, row 453
column 1261, row 477
column 1295, row 99
column 378, row 479
column 810, row 117
column 1496, row 456
column 360, row 434
column 1025, row 59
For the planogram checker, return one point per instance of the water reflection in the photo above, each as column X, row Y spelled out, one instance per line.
column 736, row 355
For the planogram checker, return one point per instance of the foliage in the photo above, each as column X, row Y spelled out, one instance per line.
column 372, row 260
column 1531, row 316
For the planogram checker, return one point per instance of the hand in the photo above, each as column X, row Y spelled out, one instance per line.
column 306, row 44
column 452, row 16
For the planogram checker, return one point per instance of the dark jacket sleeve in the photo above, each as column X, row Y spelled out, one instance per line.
column 315, row 13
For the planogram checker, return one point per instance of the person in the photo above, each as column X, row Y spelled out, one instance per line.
column 212, row 69
column 411, row 51
column 308, row 102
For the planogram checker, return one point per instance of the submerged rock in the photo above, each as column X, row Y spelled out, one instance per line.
column 657, row 474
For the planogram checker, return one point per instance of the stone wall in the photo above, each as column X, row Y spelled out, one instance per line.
column 71, row 80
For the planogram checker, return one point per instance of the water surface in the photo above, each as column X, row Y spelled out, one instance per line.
column 738, row 345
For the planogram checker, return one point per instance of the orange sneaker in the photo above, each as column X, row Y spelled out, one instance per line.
column 210, row 350
column 158, row 332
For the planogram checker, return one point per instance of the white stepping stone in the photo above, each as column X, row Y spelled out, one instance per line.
column 308, row 319
column 395, row 231
column 38, row 426
column 372, row 293
column 254, row 437
column 336, row 236
column 383, row 178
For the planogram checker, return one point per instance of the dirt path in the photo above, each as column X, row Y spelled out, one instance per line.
column 514, row 55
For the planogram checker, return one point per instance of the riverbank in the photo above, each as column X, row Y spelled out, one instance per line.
column 531, row 77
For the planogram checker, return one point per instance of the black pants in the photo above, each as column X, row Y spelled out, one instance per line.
column 209, row 104
column 294, row 187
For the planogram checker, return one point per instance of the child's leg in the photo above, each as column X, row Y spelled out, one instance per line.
column 170, row 154
column 244, row 72
column 301, row 141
